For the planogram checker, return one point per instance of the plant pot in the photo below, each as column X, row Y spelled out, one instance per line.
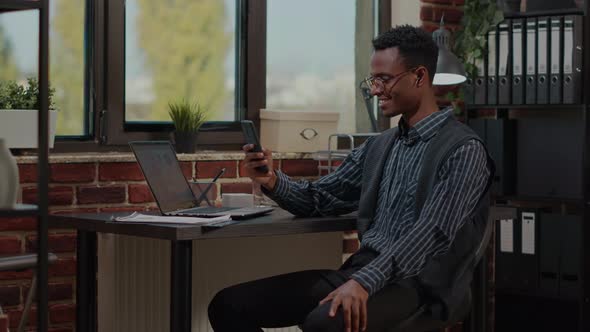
column 19, row 129
column 185, row 142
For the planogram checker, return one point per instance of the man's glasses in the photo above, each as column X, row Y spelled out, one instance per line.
column 379, row 82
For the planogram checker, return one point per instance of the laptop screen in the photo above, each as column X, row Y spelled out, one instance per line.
column 164, row 176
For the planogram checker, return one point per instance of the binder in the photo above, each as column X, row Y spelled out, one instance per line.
column 528, row 252
column 504, row 84
column 572, row 59
column 571, row 250
column 469, row 91
column 531, row 61
column 549, row 248
column 505, row 256
column 492, row 73
column 480, row 83
column 517, row 61
column 542, row 60
column 499, row 135
column 556, row 60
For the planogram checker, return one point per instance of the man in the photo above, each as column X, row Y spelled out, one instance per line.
column 377, row 286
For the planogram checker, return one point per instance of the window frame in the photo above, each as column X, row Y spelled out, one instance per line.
column 105, row 81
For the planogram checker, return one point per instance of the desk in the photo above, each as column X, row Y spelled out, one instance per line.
column 279, row 222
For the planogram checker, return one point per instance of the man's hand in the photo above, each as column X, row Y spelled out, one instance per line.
column 256, row 159
column 353, row 299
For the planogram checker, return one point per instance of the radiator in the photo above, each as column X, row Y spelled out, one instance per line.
column 134, row 274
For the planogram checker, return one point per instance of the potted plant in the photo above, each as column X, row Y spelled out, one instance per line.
column 19, row 109
column 187, row 117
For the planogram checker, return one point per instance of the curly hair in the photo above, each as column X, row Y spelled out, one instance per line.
column 415, row 45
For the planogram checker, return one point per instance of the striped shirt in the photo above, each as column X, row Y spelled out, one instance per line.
column 404, row 241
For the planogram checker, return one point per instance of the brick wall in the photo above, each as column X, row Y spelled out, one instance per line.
column 93, row 186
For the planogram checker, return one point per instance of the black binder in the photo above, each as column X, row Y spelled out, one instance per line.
column 549, row 251
column 543, row 60
column 504, row 82
column 506, row 258
column 517, row 43
column 480, row 83
column 571, row 251
column 531, row 61
column 527, row 265
column 492, row 72
column 572, row 59
column 556, row 59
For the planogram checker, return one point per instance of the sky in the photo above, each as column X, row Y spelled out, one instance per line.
column 300, row 38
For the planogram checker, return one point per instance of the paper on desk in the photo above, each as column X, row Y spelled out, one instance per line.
column 148, row 218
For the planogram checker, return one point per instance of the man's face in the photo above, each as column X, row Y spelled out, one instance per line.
column 395, row 85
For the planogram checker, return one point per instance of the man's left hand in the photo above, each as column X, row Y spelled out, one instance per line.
column 353, row 299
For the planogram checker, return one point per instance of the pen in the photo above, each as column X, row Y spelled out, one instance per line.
column 204, row 192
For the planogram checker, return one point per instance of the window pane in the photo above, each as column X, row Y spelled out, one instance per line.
column 310, row 66
column 19, row 46
column 179, row 49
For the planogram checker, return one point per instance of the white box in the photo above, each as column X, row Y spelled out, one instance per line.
column 296, row 131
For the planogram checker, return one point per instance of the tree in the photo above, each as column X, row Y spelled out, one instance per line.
column 185, row 45
column 67, row 65
column 8, row 67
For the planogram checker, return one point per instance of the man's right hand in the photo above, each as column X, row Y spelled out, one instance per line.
column 256, row 159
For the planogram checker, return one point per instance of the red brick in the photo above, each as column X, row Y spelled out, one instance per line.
column 187, row 169
column 57, row 242
column 243, row 187
column 451, row 15
column 16, row 275
column 56, row 291
column 60, row 195
column 275, row 165
column 27, row 173
column 119, row 172
column 15, row 315
column 140, row 193
column 98, row 195
column 63, row 267
column 305, row 167
column 431, row 26
column 9, row 295
column 61, row 329
column 4, row 322
column 123, row 208
column 440, row 2
column 62, row 313
column 208, row 169
column 10, row 245
column 73, row 173
column 18, row 224
column 73, row 211
column 350, row 246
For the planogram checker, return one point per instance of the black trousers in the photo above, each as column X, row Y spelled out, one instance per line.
column 293, row 299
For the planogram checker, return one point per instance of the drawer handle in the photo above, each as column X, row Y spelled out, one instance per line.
column 308, row 133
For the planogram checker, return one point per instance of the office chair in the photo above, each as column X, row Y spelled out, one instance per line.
column 22, row 262
column 421, row 321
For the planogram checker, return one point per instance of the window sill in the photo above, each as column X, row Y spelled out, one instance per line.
column 89, row 157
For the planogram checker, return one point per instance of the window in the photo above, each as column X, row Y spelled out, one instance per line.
column 19, row 32
column 311, row 57
column 179, row 49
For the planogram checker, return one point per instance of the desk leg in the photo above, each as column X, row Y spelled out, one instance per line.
column 181, row 286
column 86, row 282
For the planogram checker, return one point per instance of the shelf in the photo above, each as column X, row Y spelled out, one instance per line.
column 555, row 12
column 513, row 292
column 21, row 210
column 13, row 5
column 528, row 106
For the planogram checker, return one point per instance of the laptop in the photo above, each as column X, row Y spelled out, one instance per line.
column 170, row 188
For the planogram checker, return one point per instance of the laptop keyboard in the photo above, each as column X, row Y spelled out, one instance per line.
column 207, row 209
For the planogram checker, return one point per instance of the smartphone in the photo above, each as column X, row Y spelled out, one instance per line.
column 252, row 138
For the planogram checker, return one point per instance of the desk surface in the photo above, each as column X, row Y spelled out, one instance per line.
column 278, row 222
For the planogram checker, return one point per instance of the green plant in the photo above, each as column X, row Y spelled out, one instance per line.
column 479, row 17
column 187, row 116
column 17, row 97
